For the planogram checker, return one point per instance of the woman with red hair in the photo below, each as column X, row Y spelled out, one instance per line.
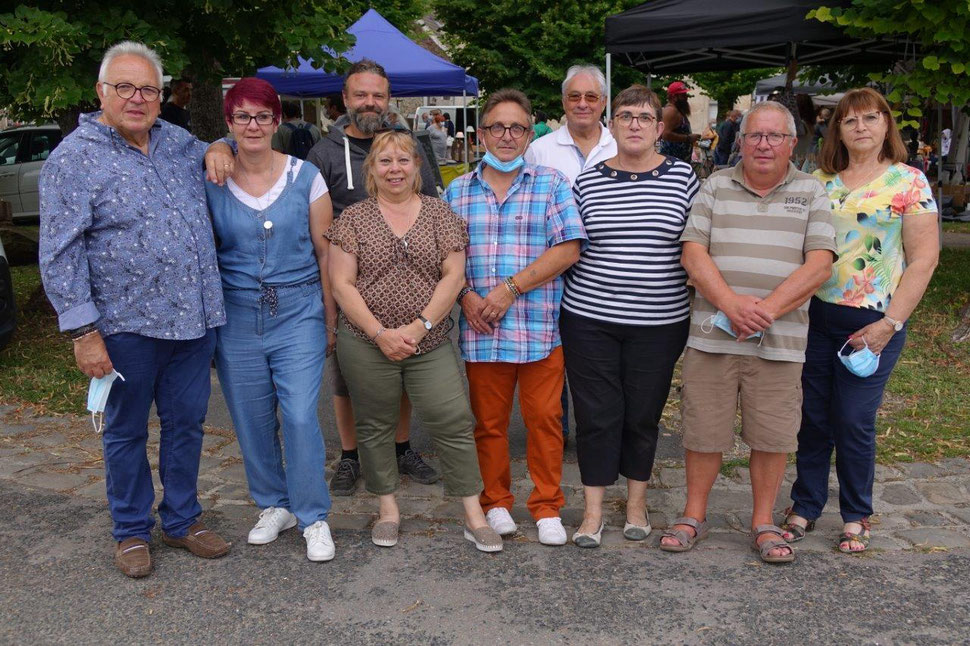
column 269, row 219
column 885, row 220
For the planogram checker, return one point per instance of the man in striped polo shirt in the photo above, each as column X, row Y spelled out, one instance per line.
column 758, row 243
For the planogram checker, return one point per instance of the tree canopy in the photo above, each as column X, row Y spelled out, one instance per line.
column 50, row 50
column 941, row 69
column 529, row 45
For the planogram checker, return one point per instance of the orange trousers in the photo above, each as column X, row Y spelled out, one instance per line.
column 491, row 388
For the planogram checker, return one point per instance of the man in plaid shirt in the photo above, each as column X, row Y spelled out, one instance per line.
column 525, row 231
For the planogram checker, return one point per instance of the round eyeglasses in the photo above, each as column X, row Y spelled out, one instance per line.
column 774, row 138
column 127, row 90
column 498, row 131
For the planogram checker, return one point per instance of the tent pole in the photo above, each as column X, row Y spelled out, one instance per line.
column 464, row 118
column 609, row 83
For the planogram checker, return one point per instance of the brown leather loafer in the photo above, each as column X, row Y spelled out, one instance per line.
column 133, row 558
column 200, row 541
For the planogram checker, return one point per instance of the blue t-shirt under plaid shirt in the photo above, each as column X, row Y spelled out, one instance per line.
column 539, row 212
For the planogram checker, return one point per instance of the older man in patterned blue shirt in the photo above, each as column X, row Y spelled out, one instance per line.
column 129, row 263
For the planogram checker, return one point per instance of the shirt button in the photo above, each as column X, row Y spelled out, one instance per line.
column 493, row 270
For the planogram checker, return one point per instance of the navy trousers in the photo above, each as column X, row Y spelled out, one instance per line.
column 175, row 375
column 839, row 413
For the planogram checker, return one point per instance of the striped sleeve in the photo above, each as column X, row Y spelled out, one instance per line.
column 820, row 233
column 698, row 227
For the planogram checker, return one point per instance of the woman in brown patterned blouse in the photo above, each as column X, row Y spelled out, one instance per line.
column 397, row 263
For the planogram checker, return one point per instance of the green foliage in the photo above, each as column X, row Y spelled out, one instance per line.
column 725, row 87
column 529, row 45
column 50, row 51
column 940, row 72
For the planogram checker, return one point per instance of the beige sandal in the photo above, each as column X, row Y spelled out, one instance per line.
column 685, row 542
column 766, row 546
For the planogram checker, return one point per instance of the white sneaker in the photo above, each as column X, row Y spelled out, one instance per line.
column 500, row 520
column 272, row 521
column 551, row 531
column 319, row 543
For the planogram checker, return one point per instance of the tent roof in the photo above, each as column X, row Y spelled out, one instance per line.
column 683, row 36
column 413, row 70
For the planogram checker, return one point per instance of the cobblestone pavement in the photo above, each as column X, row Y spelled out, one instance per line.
column 922, row 507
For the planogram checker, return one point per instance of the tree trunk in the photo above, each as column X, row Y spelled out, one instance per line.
column 67, row 120
column 208, row 122
column 959, row 148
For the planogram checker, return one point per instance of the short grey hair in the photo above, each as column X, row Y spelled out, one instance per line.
column 591, row 70
column 770, row 105
column 130, row 48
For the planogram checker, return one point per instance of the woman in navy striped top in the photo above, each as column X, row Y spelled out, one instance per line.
column 625, row 309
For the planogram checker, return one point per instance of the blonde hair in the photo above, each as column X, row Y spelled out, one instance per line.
column 382, row 141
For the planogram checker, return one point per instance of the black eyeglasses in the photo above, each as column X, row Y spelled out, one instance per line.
column 498, row 131
column 243, row 118
column 127, row 90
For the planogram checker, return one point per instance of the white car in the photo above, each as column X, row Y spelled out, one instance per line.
column 8, row 307
column 22, row 153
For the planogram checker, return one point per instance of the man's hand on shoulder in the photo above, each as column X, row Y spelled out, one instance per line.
column 219, row 162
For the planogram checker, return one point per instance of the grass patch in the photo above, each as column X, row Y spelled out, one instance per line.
column 38, row 367
column 956, row 227
column 730, row 467
column 925, row 415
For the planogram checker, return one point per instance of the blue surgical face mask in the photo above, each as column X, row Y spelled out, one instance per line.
column 98, row 392
column 862, row 363
column 721, row 320
column 499, row 165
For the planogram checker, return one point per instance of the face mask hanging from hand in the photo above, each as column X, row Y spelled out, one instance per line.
column 98, row 392
column 721, row 320
column 862, row 363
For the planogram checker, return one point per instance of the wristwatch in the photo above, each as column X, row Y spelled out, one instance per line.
column 897, row 325
column 427, row 323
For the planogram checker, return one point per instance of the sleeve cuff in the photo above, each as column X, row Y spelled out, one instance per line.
column 78, row 316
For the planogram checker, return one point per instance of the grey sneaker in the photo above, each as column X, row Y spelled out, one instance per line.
column 344, row 479
column 412, row 465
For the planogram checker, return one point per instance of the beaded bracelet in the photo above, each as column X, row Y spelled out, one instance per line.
column 510, row 283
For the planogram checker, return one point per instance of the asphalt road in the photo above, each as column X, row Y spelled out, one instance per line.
column 60, row 586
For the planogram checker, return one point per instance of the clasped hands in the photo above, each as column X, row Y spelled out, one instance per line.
column 749, row 315
column 402, row 342
column 484, row 313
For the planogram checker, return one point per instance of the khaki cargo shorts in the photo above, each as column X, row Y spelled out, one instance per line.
column 770, row 395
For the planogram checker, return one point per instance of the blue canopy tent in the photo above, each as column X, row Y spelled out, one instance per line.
column 413, row 70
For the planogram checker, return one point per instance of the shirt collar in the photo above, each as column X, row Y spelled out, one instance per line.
column 526, row 169
column 564, row 137
column 90, row 120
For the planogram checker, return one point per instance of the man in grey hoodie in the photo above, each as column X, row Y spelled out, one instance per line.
column 340, row 157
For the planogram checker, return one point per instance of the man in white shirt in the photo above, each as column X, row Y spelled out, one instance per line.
column 583, row 142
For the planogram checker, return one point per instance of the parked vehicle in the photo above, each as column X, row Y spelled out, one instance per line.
column 8, row 306
column 22, row 153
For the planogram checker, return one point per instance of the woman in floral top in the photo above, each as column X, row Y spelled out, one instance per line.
column 397, row 263
column 887, row 233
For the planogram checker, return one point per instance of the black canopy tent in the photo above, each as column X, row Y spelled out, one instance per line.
column 683, row 36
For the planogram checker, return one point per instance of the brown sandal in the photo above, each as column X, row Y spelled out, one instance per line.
column 863, row 537
column 797, row 531
column 766, row 546
column 685, row 542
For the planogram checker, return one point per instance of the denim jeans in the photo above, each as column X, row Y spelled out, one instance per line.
column 839, row 412
column 265, row 363
column 175, row 375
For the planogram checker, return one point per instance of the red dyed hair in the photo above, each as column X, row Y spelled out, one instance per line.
column 255, row 91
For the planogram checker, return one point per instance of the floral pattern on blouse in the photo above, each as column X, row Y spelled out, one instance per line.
column 869, row 234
